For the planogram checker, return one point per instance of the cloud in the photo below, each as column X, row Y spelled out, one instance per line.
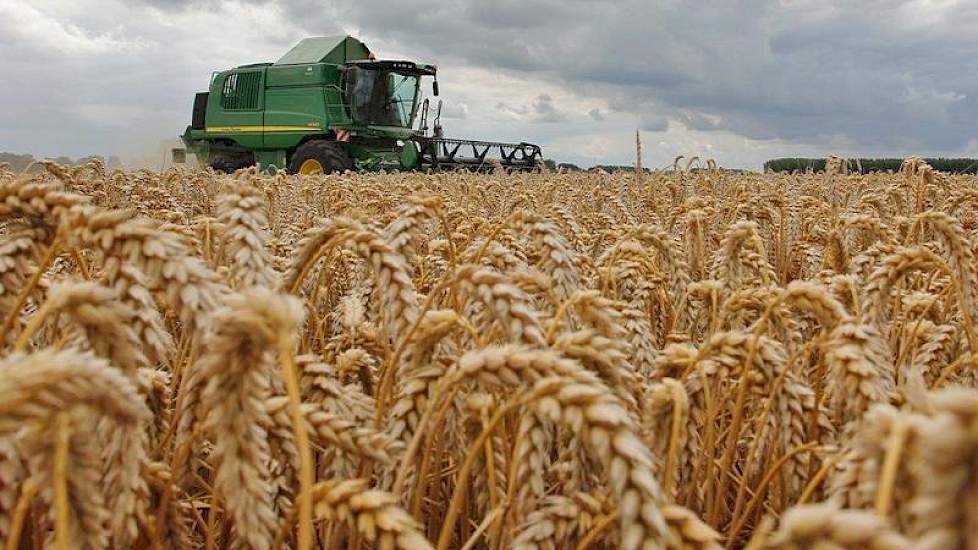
column 171, row 6
column 887, row 73
column 544, row 110
column 22, row 23
column 701, row 121
column 653, row 123
column 541, row 110
column 457, row 111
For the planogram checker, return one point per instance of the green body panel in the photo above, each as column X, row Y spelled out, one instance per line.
column 395, row 132
column 371, row 156
column 299, row 107
column 325, row 49
column 409, row 157
column 336, row 110
column 302, row 75
column 236, row 125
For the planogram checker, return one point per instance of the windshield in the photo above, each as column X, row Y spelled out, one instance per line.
column 381, row 97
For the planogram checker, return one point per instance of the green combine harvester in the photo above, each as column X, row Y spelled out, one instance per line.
column 328, row 106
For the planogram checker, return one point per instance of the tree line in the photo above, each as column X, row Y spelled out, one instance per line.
column 867, row 165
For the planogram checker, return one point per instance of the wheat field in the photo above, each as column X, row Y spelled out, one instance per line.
column 681, row 360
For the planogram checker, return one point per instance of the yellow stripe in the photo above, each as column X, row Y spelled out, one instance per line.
column 243, row 129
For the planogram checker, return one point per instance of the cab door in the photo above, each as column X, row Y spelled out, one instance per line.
column 240, row 112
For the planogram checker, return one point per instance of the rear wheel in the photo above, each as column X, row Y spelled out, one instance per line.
column 319, row 157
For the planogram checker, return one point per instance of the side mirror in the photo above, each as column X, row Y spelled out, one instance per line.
column 434, row 88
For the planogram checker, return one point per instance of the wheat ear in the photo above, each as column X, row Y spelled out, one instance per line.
column 237, row 370
column 241, row 209
column 374, row 514
column 604, row 424
column 38, row 390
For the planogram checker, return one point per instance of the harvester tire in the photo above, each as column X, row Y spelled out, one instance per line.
column 329, row 156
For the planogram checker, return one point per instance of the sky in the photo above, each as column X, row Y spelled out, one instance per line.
column 736, row 81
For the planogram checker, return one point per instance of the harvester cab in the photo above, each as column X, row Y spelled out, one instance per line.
column 329, row 105
column 384, row 93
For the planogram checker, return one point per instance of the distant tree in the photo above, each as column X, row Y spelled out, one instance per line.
column 612, row 168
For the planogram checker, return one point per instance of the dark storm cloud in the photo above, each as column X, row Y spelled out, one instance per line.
column 545, row 111
column 172, row 5
column 879, row 73
column 541, row 110
column 700, row 121
column 653, row 123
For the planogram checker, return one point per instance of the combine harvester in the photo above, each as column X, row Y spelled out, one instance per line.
column 328, row 106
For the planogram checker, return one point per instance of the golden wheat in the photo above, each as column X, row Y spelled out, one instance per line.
column 666, row 360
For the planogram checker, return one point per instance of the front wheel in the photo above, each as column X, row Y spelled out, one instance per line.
column 230, row 161
column 319, row 157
